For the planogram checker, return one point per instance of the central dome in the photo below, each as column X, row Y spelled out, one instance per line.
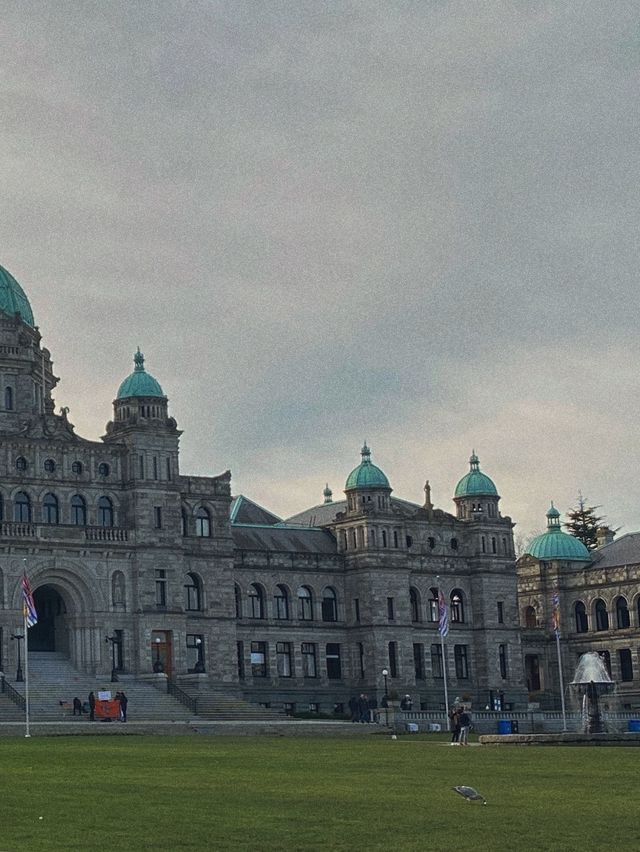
column 366, row 475
column 475, row 483
column 13, row 299
column 139, row 383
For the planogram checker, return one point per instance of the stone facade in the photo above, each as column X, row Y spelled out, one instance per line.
column 134, row 565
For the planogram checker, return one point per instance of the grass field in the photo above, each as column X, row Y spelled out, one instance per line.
column 365, row 793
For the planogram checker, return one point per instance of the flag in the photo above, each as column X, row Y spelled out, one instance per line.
column 443, row 618
column 555, row 613
column 28, row 606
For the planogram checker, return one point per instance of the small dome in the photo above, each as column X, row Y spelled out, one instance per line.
column 557, row 544
column 327, row 494
column 139, row 383
column 366, row 475
column 475, row 483
column 13, row 299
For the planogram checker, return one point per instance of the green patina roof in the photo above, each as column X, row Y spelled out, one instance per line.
column 139, row 383
column 13, row 299
column 475, row 482
column 366, row 475
column 557, row 544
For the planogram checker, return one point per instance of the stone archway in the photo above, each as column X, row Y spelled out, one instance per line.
column 50, row 633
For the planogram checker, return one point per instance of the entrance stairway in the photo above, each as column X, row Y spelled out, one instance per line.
column 218, row 706
column 54, row 683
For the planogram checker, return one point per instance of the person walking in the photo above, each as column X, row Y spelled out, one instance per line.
column 92, row 706
column 465, row 725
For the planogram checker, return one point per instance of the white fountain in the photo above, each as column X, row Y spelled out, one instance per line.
column 590, row 681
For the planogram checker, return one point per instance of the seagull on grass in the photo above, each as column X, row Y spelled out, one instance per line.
column 470, row 794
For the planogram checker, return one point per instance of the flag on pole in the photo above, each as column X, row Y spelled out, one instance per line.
column 555, row 612
column 28, row 606
column 443, row 618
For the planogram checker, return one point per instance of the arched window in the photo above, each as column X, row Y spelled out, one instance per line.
column 434, row 614
column 530, row 617
column 256, row 601
column 22, row 508
column 184, row 522
column 49, row 466
column 105, row 512
column 622, row 613
column 8, row 399
column 305, row 604
column 78, row 511
column 457, row 607
column 414, row 602
column 193, row 593
column 203, row 523
column 329, row 605
column 21, row 464
column 581, row 618
column 602, row 616
column 238, row 596
column 281, row 598
column 50, row 509
column 117, row 589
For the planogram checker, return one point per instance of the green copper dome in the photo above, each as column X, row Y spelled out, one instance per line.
column 557, row 544
column 139, row 383
column 13, row 299
column 366, row 475
column 475, row 482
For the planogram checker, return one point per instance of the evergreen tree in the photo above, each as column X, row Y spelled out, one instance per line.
column 583, row 523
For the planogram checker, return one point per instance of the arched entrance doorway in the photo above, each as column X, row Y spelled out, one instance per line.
column 49, row 634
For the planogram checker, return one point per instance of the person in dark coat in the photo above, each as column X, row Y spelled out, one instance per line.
column 77, row 707
column 373, row 708
column 353, row 708
column 92, row 706
column 123, row 707
column 363, row 708
column 454, row 720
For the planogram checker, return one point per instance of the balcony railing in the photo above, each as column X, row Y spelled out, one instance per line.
column 66, row 532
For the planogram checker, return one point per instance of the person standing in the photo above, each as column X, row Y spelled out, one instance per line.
column 454, row 721
column 92, row 706
column 353, row 709
column 123, row 707
column 465, row 725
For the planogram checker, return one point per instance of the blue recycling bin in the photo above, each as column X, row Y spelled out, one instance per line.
column 505, row 726
column 634, row 726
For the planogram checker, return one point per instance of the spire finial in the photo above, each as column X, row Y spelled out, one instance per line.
column 138, row 360
column 328, row 494
column 365, row 452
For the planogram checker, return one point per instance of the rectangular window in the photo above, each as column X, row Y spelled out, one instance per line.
column 502, row 657
column 157, row 517
column 418, row 660
column 393, row 659
column 155, row 467
column 169, row 469
column 195, row 652
column 436, row 661
column 356, row 608
column 433, row 607
column 141, row 466
column 500, row 612
column 334, row 669
column 240, row 652
column 626, row 664
column 309, row 668
column 161, row 587
column 390, row 609
column 259, row 659
column 461, row 661
column 314, row 707
column 361, row 659
column 283, row 659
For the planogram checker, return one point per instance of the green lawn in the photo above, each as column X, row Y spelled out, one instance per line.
column 365, row 793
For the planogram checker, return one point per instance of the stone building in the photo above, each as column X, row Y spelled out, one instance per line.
column 220, row 594
column 599, row 600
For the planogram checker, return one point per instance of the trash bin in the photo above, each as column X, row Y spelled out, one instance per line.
column 634, row 725
column 504, row 726
column 514, row 726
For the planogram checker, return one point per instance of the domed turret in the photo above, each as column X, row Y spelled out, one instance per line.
column 475, row 483
column 555, row 544
column 139, row 383
column 327, row 494
column 13, row 299
column 366, row 475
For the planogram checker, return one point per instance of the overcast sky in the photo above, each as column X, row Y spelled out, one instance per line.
column 414, row 223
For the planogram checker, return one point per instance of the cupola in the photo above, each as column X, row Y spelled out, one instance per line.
column 555, row 544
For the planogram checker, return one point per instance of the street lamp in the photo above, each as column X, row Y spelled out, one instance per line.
column 113, row 640
column 199, row 666
column 19, row 637
column 157, row 666
column 385, row 675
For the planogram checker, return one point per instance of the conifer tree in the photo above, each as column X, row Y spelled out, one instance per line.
column 583, row 523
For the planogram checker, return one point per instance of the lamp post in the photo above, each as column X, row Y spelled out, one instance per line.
column 157, row 666
column 385, row 675
column 19, row 637
column 113, row 640
column 199, row 666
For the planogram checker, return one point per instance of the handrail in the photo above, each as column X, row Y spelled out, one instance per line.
column 183, row 697
column 12, row 694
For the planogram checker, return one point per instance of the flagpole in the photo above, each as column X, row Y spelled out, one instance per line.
column 26, row 672
column 564, row 710
column 444, row 657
